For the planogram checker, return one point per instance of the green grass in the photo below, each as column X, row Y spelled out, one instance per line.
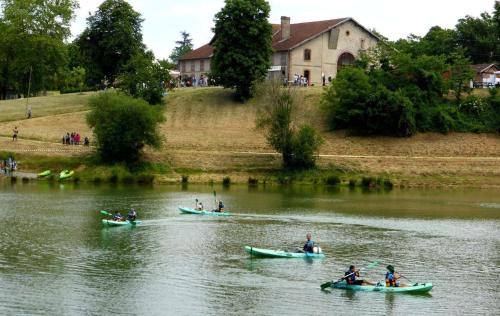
column 13, row 110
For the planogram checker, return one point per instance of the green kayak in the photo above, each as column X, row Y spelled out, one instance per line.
column 45, row 173
column 187, row 210
column 65, row 174
column 415, row 288
column 258, row 252
column 109, row 222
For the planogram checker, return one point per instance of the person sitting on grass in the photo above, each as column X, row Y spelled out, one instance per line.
column 350, row 277
column 132, row 215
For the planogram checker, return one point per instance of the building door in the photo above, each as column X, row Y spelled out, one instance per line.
column 307, row 75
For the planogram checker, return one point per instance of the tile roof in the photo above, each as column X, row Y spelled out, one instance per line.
column 205, row 51
column 299, row 33
column 479, row 68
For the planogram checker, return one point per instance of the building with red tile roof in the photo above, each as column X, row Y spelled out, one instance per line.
column 314, row 50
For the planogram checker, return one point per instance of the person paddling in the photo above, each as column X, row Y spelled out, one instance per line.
column 199, row 205
column 132, row 215
column 220, row 207
column 350, row 277
column 118, row 217
column 392, row 277
column 309, row 245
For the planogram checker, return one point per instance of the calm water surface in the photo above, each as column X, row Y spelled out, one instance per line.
column 57, row 259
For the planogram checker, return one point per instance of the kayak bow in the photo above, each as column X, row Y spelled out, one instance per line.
column 110, row 222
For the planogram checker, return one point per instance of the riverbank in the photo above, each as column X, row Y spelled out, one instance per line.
column 209, row 137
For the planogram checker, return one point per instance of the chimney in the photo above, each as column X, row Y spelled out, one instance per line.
column 285, row 28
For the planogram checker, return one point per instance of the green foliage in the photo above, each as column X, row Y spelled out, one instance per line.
column 297, row 147
column 226, row 181
column 460, row 74
column 305, row 145
column 32, row 34
column 112, row 37
column 478, row 38
column 242, row 45
column 367, row 108
column 184, row 46
column 332, row 180
column 122, row 126
column 145, row 78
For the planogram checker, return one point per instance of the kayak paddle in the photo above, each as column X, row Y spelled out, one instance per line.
column 103, row 212
column 329, row 284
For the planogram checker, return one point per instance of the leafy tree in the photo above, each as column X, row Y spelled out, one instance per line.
column 123, row 126
column 460, row 75
column 242, row 45
column 298, row 148
column 32, row 34
column 184, row 46
column 112, row 37
column 145, row 78
column 479, row 37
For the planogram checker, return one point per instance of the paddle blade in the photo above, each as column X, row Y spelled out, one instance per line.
column 103, row 212
column 326, row 285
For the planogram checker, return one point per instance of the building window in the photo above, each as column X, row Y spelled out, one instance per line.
column 192, row 65
column 183, row 66
column 363, row 43
column 307, row 54
column 345, row 60
column 202, row 65
column 347, row 33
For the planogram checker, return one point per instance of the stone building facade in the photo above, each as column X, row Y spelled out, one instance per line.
column 313, row 50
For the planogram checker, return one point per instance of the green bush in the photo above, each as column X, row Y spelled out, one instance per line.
column 253, row 181
column 332, row 180
column 305, row 144
column 122, row 126
column 226, row 181
column 184, row 179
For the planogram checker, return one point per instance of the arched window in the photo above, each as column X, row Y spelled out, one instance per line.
column 345, row 60
column 307, row 54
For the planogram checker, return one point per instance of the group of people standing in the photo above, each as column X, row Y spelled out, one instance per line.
column 74, row 139
column 8, row 165
column 300, row 80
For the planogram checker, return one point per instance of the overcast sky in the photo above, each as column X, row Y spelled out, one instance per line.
column 165, row 19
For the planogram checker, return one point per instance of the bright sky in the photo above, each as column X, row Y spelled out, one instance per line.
column 165, row 19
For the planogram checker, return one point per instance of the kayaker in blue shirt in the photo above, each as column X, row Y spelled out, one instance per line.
column 132, row 215
column 117, row 216
column 220, row 208
column 350, row 277
column 391, row 278
column 309, row 246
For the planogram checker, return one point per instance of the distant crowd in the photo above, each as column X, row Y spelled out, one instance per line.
column 75, row 139
column 8, row 165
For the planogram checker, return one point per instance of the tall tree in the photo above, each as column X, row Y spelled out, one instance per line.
column 242, row 45
column 184, row 46
column 145, row 78
column 113, row 35
column 479, row 37
column 32, row 34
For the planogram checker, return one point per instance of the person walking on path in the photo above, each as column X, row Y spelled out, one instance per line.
column 15, row 131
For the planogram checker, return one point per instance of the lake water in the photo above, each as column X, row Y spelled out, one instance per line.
column 57, row 259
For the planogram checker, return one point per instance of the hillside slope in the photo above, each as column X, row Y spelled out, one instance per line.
column 209, row 135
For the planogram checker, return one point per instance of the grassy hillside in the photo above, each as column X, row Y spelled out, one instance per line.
column 209, row 136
